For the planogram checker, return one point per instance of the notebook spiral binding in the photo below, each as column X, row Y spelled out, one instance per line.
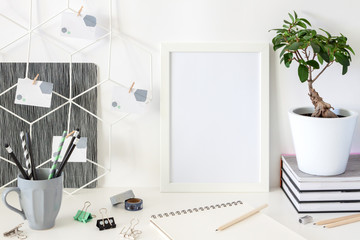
column 205, row 208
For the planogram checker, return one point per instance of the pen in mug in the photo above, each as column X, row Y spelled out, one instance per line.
column 67, row 156
column 57, row 156
column 16, row 161
column 26, row 155
column 33, row 167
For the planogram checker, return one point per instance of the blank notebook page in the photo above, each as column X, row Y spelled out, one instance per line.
column 201, row 225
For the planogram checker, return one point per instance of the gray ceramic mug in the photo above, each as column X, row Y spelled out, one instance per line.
column 40, row 200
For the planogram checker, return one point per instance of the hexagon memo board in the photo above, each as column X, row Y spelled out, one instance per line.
column 76, row 98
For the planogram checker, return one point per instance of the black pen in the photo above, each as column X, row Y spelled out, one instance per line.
column 76, row 133
column 12, row 155
column 67, row 156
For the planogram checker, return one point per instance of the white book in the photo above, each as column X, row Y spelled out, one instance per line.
column 201, row 223
column 316, row 207
column 315, row 196
column 350, row 180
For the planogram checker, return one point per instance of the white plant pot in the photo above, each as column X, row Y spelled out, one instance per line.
column 322, row 145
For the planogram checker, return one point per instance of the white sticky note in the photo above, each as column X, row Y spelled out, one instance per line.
column 38, row 94
column 79, row 153
column 124, row 101
column 83, row 26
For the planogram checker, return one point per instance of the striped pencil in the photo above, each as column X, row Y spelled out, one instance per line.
column 57, row 156
column 26, row 155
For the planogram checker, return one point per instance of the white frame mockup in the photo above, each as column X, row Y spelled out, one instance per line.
column 261, row 169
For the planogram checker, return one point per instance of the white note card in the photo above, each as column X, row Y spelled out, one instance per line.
column 124, row 101
column 83, row 26
column 38, row 94
column 79, row 153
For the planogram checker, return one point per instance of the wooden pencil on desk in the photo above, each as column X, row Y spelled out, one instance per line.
column 333, row 220
column 241, row 218
column 343, row 222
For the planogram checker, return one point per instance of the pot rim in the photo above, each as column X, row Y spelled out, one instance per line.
column 297, row 111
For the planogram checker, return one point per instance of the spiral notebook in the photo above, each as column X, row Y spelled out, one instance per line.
column 201, row 223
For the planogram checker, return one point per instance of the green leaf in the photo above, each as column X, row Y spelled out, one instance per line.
column 313, row 63
column 348, row 55
column 315, row 47
column 295, row 46
column 321, row 61
column 276, row 47
column 324, row 55
column 302, row 33
column 301, row 24
column 295, row 14
column 287, row 22
column 305, row 21
column 283, row 51
column 344, row 69
column 288, row 59
column 342, row 59
column 292, row 18
column 351, row 50
column 276, row 29
column 303, row 73
column 328, row 34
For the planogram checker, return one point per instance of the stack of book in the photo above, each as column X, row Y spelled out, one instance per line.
column 313, row 194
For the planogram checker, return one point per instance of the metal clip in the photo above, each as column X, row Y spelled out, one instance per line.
column 131, row 233
column 105, row 222
column 16, row 232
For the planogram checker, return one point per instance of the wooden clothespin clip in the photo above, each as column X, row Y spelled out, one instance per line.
column 132, row 85
column 79, row 12
column 82, row 215
column 15, row 232
column 105, row 222
column 70, row 134
column 35, row 79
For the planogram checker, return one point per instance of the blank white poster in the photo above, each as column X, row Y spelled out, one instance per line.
column 215, row 127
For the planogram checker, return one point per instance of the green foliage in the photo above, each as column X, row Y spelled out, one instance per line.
column 309, row 48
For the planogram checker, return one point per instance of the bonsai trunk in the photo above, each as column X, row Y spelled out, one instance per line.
column 322, row 109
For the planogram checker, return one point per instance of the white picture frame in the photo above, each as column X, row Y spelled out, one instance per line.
column 214, row 117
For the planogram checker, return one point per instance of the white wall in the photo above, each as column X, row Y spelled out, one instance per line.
column 136, row 139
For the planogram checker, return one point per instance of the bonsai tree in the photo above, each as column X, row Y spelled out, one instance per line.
column 314, row 53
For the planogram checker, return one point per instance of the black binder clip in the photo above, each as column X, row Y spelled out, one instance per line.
column 105, row 222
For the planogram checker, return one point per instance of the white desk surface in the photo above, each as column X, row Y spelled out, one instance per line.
column 155, row 202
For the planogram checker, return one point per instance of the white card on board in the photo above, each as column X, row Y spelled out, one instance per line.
column 83, row 26
column 79, row 153
column 124, row 101
column 38, row 94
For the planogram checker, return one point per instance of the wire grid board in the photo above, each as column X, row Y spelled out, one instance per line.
column 84, row 76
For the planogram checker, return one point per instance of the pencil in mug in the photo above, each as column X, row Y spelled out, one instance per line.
column 33, row 167
column 57, row 156
column 16, row 161
column 76, row 133
column 67, row 156
column 26, row 155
